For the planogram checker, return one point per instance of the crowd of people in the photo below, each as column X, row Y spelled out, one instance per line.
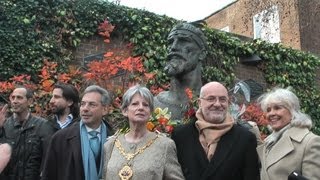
column 76, row 142
column 214, row 146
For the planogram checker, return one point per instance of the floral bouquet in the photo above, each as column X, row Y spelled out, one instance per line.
column 160, row 121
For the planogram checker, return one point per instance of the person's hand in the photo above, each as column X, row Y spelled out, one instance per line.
column 5, row 153
column 3, row 113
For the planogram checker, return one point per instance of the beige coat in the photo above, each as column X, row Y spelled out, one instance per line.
column 157, row 162
column 297, row 150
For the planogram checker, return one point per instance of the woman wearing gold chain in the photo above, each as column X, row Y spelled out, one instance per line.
column 140, row 154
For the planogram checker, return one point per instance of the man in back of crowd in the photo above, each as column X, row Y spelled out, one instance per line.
column 64, row 106
column 27, row 135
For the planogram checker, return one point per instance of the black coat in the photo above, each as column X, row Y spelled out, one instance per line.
column 235, row 157
column 54, row 127
column 64, row 157
column 28, row 147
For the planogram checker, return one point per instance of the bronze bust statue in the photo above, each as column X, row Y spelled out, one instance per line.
column 186, row 51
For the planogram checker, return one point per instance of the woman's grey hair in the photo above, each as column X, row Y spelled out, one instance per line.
column 290, row 101
column 137, row 89
column 105, row 97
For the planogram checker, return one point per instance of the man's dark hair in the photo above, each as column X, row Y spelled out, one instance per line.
column 29, row 92
column 69, row 92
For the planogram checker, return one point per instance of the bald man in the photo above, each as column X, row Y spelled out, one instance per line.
column 214, row 146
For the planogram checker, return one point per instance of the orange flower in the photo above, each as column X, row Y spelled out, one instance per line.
column 189, row 93
column 163, row 121
column 108, row 54
column 47, row 85
column 169, row 129
column 150, row 126
column 254, row 113
column 149, row 75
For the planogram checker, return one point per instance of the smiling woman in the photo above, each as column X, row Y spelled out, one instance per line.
column 292, row 147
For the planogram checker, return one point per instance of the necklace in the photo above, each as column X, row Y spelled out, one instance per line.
column 126, row 172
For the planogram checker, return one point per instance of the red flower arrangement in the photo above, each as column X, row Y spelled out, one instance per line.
column 254, row 113
column 190, row 108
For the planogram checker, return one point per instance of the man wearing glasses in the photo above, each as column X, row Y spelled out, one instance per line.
column 214, row 146
column 75, row 152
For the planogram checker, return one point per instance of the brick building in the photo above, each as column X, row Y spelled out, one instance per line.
column 294, row 23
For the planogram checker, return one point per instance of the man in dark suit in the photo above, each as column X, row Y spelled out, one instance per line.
column 76, row 152
column 214, row 146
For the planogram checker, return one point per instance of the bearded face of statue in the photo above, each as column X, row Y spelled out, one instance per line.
column 184, row 54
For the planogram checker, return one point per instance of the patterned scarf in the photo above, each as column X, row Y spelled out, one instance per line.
column 210, row 133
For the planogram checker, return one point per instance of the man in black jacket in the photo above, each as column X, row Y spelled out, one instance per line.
column 214, row 146
column 27, row 135
column 64, row 107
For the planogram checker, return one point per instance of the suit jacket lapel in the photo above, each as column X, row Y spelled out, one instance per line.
column 200, row 154
column 74, row 140
column 284, row 146
column 224, row 147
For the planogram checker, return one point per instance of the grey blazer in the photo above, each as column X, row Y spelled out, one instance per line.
column 157, row 162
column 297, row 150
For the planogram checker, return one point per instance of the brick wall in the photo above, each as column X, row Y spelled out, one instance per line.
column 239, row 15
column 95, row 45
column 309, row 13
column 244, row 72
column 89, row 46
column 299, row 26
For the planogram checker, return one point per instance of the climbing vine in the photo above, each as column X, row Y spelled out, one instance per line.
column 34, row 30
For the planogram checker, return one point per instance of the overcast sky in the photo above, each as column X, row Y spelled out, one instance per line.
column 188, row 10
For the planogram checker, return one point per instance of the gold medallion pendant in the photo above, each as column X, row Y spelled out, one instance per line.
column 125, row 173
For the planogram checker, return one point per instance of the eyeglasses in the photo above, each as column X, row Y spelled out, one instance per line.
column 214, row 99
column 89, row 104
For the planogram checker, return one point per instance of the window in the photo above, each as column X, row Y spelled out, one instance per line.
column 267, row 25
column 226, row 29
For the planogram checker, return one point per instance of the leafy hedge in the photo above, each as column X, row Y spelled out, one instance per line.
column 34, row 30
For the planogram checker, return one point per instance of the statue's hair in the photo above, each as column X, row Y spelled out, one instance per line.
column 290, row 101
column 196, row 33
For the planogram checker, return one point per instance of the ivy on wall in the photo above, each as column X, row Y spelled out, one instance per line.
column 34, row 30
